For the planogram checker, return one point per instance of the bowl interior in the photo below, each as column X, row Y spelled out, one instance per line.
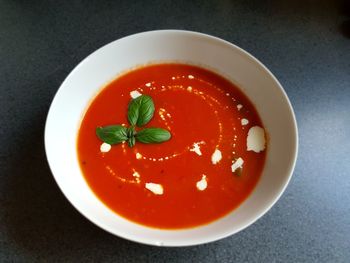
column 85, row 81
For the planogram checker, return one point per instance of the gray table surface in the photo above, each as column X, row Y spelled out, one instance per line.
column 304, row 43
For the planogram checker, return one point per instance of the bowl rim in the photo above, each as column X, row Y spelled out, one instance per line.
column 207, row 239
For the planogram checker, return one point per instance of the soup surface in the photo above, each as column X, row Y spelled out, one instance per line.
column 209, row 166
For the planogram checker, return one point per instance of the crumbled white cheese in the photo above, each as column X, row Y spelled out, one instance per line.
column 244, row 122
column 195, row 148
column 256, row 139
column 202, row 184
column 105, row 147
column 134, row 94
column 216, row 157
column 148, row 84
column 237, row 164
column 157, row 189
column 239, row 106
column 138, row 156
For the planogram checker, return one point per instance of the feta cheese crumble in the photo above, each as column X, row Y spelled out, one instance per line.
column 195, row 148
column 216, row 157
column 134, row 94
column 237, row 164
column 202, row 184
column 157, row 189
column 244, row 122
column 256, row 139
column 105, row 147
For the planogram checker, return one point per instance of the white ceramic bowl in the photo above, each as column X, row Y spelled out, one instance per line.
column 257, row 82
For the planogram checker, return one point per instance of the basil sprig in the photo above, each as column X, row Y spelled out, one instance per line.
column 140, row 112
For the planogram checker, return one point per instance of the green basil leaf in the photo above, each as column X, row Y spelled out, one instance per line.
column 153, row 135
column 131, row 132
column 140, row 110
column 131, row 141
column 112, row 134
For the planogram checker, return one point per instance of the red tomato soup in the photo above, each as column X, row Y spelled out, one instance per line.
column 210, row 165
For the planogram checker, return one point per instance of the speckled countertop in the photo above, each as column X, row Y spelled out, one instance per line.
column 304, row 43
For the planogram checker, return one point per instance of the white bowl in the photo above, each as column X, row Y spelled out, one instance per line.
column 257, row 82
